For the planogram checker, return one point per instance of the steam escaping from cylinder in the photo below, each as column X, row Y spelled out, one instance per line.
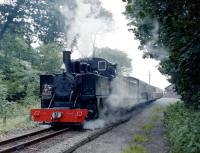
column 84, row 20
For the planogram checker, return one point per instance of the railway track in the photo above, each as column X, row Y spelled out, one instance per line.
column 17, row 143
column 23, row 141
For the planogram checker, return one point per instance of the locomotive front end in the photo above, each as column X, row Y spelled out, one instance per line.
column 59, row 94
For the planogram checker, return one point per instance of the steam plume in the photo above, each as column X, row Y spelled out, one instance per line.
column 84, row 20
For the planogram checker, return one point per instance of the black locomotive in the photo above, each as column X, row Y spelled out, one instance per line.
column 80, row 91
column 84, row 84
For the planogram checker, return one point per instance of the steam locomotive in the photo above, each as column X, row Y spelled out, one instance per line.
column 80, row 91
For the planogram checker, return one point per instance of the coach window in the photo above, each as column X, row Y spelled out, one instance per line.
column 101, row 65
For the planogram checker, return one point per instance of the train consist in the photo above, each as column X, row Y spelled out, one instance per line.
column 79, row 93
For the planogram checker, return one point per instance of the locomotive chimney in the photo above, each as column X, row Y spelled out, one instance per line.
column 67, row 60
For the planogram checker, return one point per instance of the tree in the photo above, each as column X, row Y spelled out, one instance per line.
column 117, row 57
column 12, row 47
column 29, row 19
column 21, row 22
column 173, row 25
column 50, row 57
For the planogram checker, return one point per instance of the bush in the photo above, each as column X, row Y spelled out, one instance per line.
column 183, row 128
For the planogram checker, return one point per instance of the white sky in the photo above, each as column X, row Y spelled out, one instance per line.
column 123, row 40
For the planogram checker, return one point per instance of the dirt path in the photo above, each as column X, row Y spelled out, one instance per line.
column 146, row 124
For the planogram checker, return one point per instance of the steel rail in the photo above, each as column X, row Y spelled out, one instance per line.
column 23, row 136
column 31, row 141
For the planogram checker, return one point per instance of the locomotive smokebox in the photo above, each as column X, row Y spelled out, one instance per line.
column 67, row 60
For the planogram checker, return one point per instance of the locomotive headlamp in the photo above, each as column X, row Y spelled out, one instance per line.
column 56, row 115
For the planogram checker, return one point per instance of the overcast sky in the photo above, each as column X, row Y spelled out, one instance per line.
column 121, row 39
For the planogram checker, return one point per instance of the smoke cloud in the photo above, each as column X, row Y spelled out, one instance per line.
column 159, row 52
column 85, row 19
column 116, row 104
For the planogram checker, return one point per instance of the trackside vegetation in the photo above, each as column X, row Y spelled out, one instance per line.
column 17, row 115
column 183, row 128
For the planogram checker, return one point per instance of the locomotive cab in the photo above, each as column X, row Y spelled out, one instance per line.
column 101, row 66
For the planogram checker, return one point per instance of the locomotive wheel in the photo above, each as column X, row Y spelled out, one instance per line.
column 92, row 114
column 95, row 110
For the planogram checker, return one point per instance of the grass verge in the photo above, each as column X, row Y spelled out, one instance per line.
column 19, row 118
column 148, row 127
column 16, row 123
column 140, row 138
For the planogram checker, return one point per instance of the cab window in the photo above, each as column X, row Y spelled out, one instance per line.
column 101, row 65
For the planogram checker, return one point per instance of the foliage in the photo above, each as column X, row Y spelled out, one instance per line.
column 30, row 19
column 5, row 106
column 11, row 46
column 20, row 79
column 173, row 25
column 50, row 58
column 21, row 65
column 116, row 56
column 183, row 128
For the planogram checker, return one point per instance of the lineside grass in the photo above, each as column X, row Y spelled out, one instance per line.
column 135, row 148
column 155, row 117
column 158, row 109
column 139, row 138
column 16, row 123
column 18, row 118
